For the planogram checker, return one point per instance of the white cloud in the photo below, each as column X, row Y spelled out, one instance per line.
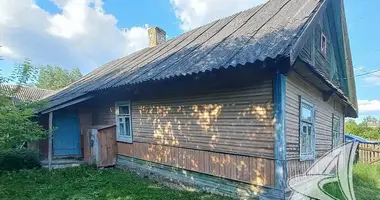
column 373, row 79
column 366, row 106
column 7, row 52
column 81, row 35
column 194, row 13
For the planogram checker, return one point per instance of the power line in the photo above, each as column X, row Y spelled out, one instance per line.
column 364, row 74
column 366, row 71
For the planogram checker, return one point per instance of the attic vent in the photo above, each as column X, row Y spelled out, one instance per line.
column 323, row 44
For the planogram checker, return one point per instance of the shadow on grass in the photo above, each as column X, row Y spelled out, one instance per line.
column 366, row 183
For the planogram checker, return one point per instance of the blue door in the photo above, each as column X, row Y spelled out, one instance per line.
column 66, row 140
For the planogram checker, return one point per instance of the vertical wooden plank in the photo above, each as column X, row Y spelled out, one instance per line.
column 50, row 155
column 233, row 167
column 190, row 164
column 180, row 157
column 239, row 168
column 207, row 158
column 221, row 165
column 272, row 182
column 360, row 153
column 247, row 168
column 218, row 163
column 229, row 165
column 201, row 161
column 279, row 93
column 253, row 170
column 176, row 156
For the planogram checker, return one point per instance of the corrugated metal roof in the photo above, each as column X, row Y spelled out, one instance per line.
column 350, row 137
column 265, row 31
column 25, row 93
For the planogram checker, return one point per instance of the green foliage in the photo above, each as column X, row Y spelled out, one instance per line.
column 366, row 183
column 17, row 159
column 88, row 183
column 55, row 77
column 363, row 129
column 24, row 73
column 17, row 125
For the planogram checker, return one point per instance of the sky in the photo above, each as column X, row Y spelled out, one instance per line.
column 89, row 33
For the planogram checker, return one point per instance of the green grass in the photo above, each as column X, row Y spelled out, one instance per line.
column 87, row 183
column 366, row 180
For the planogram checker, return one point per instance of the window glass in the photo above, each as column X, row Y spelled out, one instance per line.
column 304, row 129
column 303, row 144
column 307, row 135
column 121, row 129
column 123, row 110
column 336, row 131
column 127, row 127
column 123, row 122
column 336, row 124
column 309, row 139
column 306, row 113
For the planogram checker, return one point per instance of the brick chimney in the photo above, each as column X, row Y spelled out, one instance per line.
column 156, row 36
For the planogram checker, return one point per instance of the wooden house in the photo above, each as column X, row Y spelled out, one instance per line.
column 235, row 106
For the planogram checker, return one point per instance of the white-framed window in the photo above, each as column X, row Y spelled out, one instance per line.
column 323, row 44
column 335, row 131
column 307, row 130
column 123, row 122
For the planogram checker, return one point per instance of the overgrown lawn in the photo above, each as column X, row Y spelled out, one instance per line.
column 87, row 183
column 366, row 180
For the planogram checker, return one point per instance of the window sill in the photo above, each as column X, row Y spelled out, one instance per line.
column 307, row 158
column 125, row 140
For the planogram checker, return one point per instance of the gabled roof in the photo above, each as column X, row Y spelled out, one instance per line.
column 25, row 93
column 268, row 31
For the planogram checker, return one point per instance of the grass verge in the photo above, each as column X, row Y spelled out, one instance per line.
column 87, row 183
column 366, row 180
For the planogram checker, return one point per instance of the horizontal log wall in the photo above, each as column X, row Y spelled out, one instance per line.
column 259, row 171
column 240, row 121
column 103, row 113
column 227, row 133
column 297, row 86
column 198, row 181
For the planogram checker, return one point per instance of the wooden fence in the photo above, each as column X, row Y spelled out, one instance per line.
column 369, row 153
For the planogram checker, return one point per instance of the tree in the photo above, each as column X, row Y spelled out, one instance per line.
column 370, row 119
column 362, row 129
column 24, row 73
column 16, row 118
column 55, row 77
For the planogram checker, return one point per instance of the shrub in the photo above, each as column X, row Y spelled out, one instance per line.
column 16, row 159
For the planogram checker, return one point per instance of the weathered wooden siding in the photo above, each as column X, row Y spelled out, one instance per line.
column 103, row 114
column 331, row 65
column 85, row 122
column 297, row 86
column 251, row 170
column 236, row 122
column 227, row 134
column 107, row 146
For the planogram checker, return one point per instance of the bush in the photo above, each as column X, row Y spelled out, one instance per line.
column 16, row 159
